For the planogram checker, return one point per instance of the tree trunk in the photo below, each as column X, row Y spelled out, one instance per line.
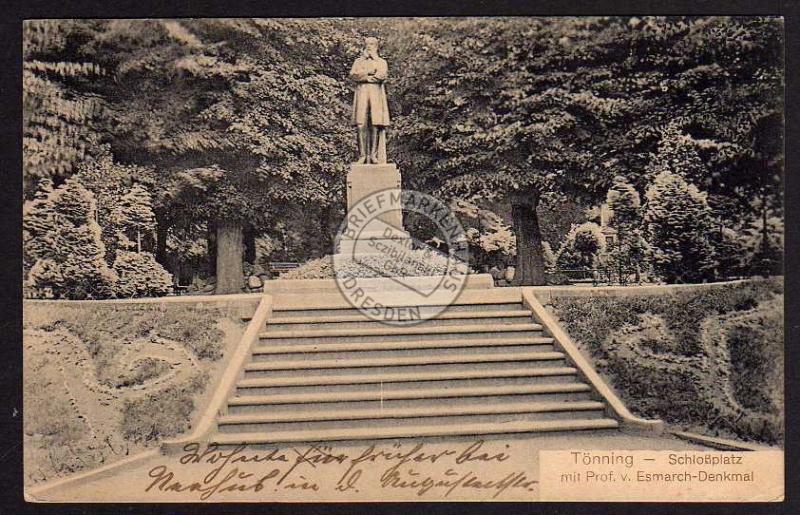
column 530, row 259
column 211, row 245
column 161, row 241
column 230, row 249
column 250, row 246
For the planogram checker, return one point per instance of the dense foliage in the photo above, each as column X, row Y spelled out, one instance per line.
column 523, row 109
column 139, row 275
column 75, row 267
column 231, row 127
column 65, row 255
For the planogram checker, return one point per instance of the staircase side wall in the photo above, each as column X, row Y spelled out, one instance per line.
column 629, row 423
column 227, row 384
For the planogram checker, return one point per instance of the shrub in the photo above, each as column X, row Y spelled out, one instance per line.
column 763, row 243
column 162, row 414
column 47, row 406
column 625, row 204
column 582, row 247
column 140, row 275
column 679, row 225
column 195, row 328
column 142, row 371
column 729, row 251
column 104, row 331
column 632, row 248
column 134, row 220
column 85, row 273
column 45, row 276
column 38, row 225
column 756, row 353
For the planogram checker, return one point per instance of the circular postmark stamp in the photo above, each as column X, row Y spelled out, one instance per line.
column 387, row 274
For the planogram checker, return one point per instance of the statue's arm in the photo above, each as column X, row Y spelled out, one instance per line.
column 357, row 72
column 382, row 72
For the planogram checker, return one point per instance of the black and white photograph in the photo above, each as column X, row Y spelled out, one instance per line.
column 414, row 259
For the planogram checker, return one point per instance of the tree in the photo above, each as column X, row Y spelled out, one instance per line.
column 134, row 220
column 624, row 202
column 631, row 248
column 251, row 120
column 679, row 227
column 59, row 107
column 716, row 84
column 77, row 268
column 729, row 251
column 516, row 109
column 109, row 181
column 762, row 241
column 38, row 225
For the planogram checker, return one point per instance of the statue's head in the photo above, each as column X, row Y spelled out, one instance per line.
column 371, row 46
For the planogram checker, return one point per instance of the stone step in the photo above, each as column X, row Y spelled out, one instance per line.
column 357, row 316
column 470, row 299
column 457, row 364
column 249, row 423
column 350, row 323
column 421, row 412
column 275, row 350
column 435, row 401
column 376, row 378
column 513, row 331
column 398, row 361
column 441, row 311
column 386, row 352
column 385, row 330
column 369, row 433
column 432, row 392
column 411, row 385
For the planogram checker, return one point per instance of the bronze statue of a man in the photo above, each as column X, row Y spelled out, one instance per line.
column 370, row 108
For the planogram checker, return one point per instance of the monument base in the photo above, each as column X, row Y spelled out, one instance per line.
column 374, row 242
column 381, row 182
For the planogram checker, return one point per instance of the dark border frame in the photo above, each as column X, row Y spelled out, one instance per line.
column 11, row 475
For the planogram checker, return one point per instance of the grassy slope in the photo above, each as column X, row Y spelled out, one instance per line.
column 708, row 361
column 104, row 381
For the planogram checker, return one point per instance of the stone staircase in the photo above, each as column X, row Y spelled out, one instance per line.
column 322, row 371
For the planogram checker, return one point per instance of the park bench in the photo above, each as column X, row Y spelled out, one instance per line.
column 595, row 276
column 179, row 289
column 277, row 268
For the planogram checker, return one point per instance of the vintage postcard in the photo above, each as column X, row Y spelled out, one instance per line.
column 403, row 259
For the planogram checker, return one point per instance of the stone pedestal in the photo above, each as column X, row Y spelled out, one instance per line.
column 364, row 181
